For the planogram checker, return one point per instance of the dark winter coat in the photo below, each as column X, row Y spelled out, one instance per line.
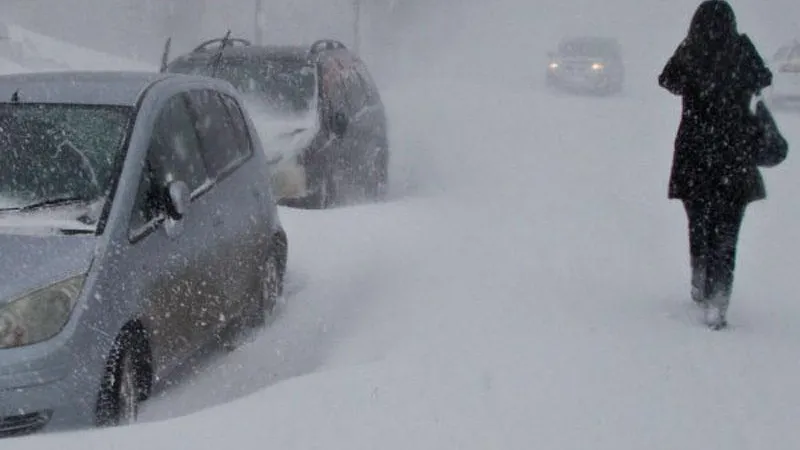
column 717, row 71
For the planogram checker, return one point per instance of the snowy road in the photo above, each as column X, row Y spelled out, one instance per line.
column 527, row 285
column 533, row 278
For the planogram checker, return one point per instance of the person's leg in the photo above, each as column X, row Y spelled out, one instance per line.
column 697, row 215
column 724, row 236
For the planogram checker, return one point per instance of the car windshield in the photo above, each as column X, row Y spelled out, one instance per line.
column 587, row 47
column 286, row 87
column 54, row 154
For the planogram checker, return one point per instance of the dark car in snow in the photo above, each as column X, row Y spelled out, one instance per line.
column 592, row 65
column 318, row 111
column 137, row 227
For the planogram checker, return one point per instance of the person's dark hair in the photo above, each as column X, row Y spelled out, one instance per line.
column 713, row 24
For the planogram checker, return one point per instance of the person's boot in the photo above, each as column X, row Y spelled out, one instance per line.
column 699, row 294
column 716, row 309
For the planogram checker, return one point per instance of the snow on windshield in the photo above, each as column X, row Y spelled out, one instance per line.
column 50, row 152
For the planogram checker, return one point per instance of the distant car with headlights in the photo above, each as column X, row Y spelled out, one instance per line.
column 785, row 66
column 137, row 226
column 591, row 65
column 318, row 111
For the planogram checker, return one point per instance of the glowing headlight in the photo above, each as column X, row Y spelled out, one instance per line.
column 553, row 65
column 39, row 315
column 597, row 66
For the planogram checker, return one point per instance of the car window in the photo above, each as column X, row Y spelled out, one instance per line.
column 148, row 204
column 50, row 151
column 284, row 87
column 173, row 153
column 368, row 83
column 333, row 87
column 218, row 139
column 240, row 130
column 357, row 98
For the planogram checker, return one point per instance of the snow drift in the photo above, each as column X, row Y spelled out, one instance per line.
column 23, row 50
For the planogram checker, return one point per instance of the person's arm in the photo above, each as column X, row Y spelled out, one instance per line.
column 673, row 77
column 757, row 74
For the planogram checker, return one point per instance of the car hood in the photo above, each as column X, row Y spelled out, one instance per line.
column 29, row 262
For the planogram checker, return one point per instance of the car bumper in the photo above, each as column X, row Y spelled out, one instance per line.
column 46, row 387
column 49, row 407
column 581, row 80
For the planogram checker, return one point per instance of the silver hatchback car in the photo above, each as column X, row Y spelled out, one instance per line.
column 137, row 226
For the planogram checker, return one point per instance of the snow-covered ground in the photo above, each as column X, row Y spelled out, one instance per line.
column 526, row 287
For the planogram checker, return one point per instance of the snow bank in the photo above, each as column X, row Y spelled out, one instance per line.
column 9, row 67
column 34, row 52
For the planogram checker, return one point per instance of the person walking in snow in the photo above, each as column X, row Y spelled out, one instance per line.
column 717, row 72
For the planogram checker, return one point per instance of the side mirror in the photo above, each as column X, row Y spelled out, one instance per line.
column 178, row 198
column 339, row 124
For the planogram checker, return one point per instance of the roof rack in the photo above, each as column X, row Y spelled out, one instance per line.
column 325, row 44
column 229, row 42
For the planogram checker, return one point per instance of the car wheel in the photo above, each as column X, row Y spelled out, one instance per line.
column 378, row 176
column 122, row 387
column 324, row 195
column 271, row 285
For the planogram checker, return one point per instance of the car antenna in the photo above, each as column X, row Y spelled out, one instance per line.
column 165, row 55
column 218, row 57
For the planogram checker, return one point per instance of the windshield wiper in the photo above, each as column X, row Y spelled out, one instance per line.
column 75, row 231
column 58, row 201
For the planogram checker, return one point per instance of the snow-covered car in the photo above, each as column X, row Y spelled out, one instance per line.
column 586, row 64
column 137, row 227
column 785, row 65
column 318, row 112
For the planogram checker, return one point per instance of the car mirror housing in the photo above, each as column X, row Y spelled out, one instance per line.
column 178, row 199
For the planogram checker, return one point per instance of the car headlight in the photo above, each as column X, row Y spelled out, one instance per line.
column 553, row 66
column 39, row 315
column 598, row 66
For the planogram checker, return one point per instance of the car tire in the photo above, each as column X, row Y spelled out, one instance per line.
column 377, row 186
column 124, row 382
column 324, row 195
column 270, row 285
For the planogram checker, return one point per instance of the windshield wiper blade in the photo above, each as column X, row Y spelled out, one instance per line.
column 76, row 231
column 59, row 201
